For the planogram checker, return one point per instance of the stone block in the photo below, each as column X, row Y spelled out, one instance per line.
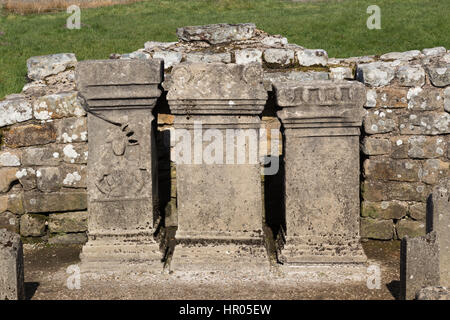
column 73, row 176
column 377, row 229
column 392, row 170
column 217, row 33
column 246, row 56
column 385, row 210
column 72, row 130
column 9, row 159
column 341, row 73
column 391, row 98
column 30, row 134
column 439, row 212
column 418, row 211
column 427, row 123
column 375, row 74
column 69, row 238
column 58, row 105
column 411, row 76
column 208, row 57
column 27, row 178
column 406, row 56
column 171, row 58
column 278, row 57
column 207, row 84
column 48, row 179
column 410, row 228
column 68, row 222
column 7, row 177
column 447, row 99
column 295, row 76
column 419, row 264
column 9, row 221
column 393, row 190
column 380, row 121
column 11, row 202
column 41, row 156
column 15, row 110
column 439, row 73
column 425, row 99
column 41, row 67
column 32, row 225
column 150, row 46
column 371, row 98
column 400, row 147
column 11, row 267
column 374, row 146
column 434, row 51
column 37, row 202
column 433, row 293
column 423, row 147
column 273, row 41
column 74, row 153
column 312, row 57
column 434, row 170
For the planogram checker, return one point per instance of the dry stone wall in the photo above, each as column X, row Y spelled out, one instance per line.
column 404, row 136
column 43, row 155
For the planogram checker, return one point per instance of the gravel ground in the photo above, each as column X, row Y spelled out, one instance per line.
column 46, row 278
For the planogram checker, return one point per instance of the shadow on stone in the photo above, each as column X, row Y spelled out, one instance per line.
column 274, row 213
column 30, row 289
column 394, row 289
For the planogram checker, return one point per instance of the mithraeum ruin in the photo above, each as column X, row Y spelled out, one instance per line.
column 230, row 149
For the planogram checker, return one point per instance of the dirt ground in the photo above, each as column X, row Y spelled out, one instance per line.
column 46, row 278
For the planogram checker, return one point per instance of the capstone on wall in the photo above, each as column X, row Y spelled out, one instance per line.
column 404, row 141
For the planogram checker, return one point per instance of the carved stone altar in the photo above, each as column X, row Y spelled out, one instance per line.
column 122, row 184
column 216, row 108
column 321, row 121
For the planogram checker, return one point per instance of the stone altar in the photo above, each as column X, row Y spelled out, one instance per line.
column 122, row 183
column 322, row 122
column 219, row 206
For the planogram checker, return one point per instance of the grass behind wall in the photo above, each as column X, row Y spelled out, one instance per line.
column 336, row 26
column 42, row 6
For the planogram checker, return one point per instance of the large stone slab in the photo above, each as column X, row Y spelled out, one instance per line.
column 419, row 264
column 122, row 203
column 217, row 33
column 41, row 67
column 11, row 266
column 321, row 121
column 425, row 261
column 440, row 223
column 219, row 203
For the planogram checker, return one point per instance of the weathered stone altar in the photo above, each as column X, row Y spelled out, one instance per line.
column 11, row 266
column 216, row 108
column 321, row 121
column 425, row 260
column 122, row 184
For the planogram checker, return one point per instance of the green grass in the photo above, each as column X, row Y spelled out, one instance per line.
column 338, row 27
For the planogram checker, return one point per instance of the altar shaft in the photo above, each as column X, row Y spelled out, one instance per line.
column 122, row 174
column 322, row 122
column 219, row 202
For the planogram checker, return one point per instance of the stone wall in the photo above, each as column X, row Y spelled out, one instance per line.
column 406, row 139
column 44, row 154
column 404, row 144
